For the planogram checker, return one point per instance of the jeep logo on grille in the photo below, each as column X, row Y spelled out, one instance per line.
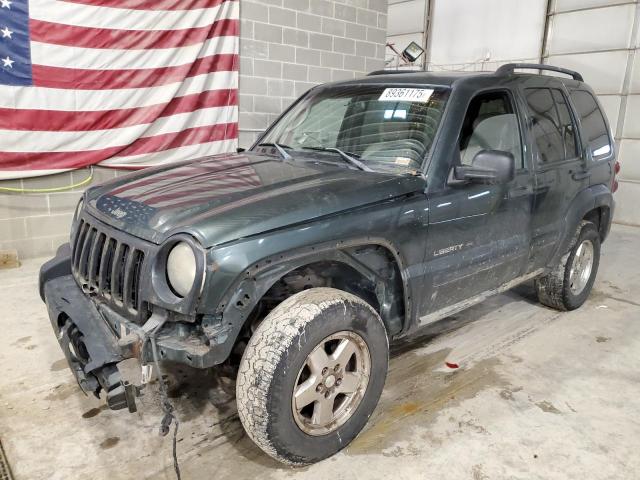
column 118, row 213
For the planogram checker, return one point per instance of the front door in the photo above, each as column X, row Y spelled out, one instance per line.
column 479, row 234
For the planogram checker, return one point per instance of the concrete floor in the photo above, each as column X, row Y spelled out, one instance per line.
column 539, row 394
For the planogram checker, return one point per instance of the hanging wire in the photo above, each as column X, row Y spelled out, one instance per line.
column 50, row 190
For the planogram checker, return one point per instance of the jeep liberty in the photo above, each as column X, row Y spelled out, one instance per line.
column 369, row 209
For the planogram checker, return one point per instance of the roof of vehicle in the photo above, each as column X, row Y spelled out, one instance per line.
column 445, row 79
column 448, row 79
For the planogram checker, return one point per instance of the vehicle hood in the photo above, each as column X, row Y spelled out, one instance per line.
column 226, row 197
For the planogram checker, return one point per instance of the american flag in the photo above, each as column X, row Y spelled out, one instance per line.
column 117, row 82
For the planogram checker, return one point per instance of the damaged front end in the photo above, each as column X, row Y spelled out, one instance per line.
column 100, row 344
column 89, row 345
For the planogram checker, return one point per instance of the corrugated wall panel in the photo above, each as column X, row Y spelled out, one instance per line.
column 604, row 71
column 464, row 32
column 590, row 30
column 564, row 5
column 406, row 17
column 600, row 39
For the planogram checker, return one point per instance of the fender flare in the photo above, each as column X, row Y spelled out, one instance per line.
column 588, row 199
column 244, row 294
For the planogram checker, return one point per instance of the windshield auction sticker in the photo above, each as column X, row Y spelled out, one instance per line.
column 406, row 94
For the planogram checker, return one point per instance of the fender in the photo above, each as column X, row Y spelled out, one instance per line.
column 242, row 296
column 588, row 199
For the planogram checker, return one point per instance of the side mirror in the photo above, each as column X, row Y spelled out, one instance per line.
column 488, row 166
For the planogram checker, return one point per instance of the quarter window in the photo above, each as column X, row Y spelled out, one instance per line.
column 490, row 124
column 593, row 123
column 551, row 125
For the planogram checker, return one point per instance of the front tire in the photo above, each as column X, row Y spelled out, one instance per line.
column 312, row 375
column 569, row 284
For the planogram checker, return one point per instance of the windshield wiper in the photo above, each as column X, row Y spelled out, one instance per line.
column 281, row 149
column 345, row 156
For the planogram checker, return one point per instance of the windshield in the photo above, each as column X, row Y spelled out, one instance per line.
column 385, row 128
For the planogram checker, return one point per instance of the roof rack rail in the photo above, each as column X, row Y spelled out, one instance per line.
column 387, row 72
column 508, row 68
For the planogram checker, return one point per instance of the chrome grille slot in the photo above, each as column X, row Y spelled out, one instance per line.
column 107, row 267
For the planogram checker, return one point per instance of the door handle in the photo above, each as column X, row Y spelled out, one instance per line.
column 581, row 175
column 519, row 191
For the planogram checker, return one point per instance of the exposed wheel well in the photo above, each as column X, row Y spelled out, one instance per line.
column 369, row 272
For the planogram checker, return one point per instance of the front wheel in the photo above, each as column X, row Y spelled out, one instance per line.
column 312, row 374
column 568, row 285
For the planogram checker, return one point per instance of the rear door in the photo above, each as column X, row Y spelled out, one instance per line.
column 596, row 139
column 560, row 169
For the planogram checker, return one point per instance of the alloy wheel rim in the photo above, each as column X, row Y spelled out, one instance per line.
column 331, row 383
column 581, row 267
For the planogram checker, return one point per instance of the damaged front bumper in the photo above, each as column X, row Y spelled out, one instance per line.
column 96, row 340
column 89, row 344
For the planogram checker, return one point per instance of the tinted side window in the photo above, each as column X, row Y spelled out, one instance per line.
column 566, row 125
column 490, row 124
column 551, row 124
column 594, row 127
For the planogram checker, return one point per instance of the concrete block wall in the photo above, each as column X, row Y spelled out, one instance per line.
column 35, row 224
column 288, row 46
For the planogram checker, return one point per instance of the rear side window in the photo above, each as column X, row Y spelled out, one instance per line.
column 551, row 124
column 594, row 127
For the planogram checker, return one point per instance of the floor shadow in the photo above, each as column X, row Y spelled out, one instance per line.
column 524, row 292
column 197, row 389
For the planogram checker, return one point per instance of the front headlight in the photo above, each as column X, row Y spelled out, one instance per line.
column 181, row 268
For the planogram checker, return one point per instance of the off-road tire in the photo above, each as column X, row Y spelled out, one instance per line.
column 272, row 361
column 554, row 289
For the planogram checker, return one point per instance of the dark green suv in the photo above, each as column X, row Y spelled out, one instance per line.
column 368, row 210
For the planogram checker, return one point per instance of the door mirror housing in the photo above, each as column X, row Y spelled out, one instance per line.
column 488, row 166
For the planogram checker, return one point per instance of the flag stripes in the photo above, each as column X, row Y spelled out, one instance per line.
column 87, row 37
column 58, row 120
column 122, row 82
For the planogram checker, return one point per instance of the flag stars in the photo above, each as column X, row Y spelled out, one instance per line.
column 6, row 33
column 7, row 62
column 5, row 4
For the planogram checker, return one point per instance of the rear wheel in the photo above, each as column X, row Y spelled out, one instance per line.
column 312, row 375
column 569, row 284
